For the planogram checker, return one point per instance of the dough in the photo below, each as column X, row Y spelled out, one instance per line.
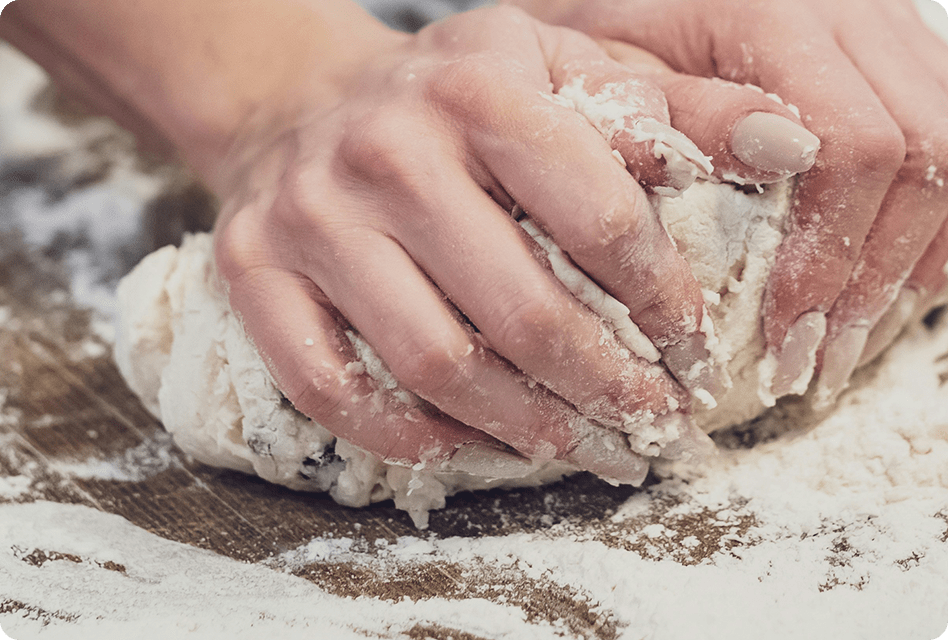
column 185, row 354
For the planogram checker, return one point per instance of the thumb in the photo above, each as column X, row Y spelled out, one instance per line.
column 751, row 137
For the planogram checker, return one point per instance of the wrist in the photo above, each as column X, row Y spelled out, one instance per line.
column 304, row 66
column 194, row 77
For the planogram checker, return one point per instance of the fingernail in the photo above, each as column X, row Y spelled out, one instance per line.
column 890, row 325
column 769, row 142
column 481, row 460
column 797, row 359
column 606, row 453
column 691, row 363
column 839, row 361
column 692, row 445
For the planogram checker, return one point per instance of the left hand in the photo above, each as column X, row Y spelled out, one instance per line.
column 871, row 81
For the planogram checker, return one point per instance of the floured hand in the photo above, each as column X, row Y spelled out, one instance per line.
column 388, row 212
column 367, row 182
column 868, row 231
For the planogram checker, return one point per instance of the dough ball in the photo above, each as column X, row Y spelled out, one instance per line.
column 183, row 351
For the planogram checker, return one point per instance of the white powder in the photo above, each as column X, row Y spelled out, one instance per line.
column 834, row 533
column 88, row 208
column 593, row 296
column 837, row 532
column 12, row 487
column 617, row 108
column 148, row 459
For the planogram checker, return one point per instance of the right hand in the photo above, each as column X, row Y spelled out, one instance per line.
column 386, row 211
column 868, row 235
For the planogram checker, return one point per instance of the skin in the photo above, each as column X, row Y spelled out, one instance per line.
column 871, row 81
column 366, row 178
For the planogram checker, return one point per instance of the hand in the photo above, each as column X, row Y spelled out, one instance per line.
column 871, row 81
column 387, row 210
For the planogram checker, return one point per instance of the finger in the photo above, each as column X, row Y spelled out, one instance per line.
column 928, row 275
column 915, row 206
column 837, row 200
column 417, row 334
column 316, row 366
column 930, row 49
column 602, row 219
column 751, row 137
column 628, row 109
column 926, row 280
column 477, row 255
column 488, row 269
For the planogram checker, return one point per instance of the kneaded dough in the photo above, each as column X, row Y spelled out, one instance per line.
column 184, row 352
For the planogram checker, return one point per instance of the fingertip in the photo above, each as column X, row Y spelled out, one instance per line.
column 840, row 358
column 606, row 453
column 751, row 136
column 489, row 460
column 796, row 357
column 694, row 366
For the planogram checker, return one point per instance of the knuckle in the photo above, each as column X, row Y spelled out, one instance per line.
column 618, row 230
column 610, row 227
column 926, row 157
column 430, row 368
column 530, row 326
column 509, row 13
column 881, row 149
column 381, row 148
column 469, row 88
column 236, row 252
column 320, row 394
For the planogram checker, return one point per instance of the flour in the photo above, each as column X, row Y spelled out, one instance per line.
column 836, row 532
column 589, row 293
column 618, row 108
column 12, row 487
column 832, row 531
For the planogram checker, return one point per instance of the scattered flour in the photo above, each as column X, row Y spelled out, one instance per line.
column 12, row 487
column 86, row 211
column 139, row 463
column 836, row 532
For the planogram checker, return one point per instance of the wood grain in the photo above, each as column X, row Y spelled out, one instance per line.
column 65, row 409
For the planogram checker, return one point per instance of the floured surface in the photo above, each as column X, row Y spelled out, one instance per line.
column 835, row 532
